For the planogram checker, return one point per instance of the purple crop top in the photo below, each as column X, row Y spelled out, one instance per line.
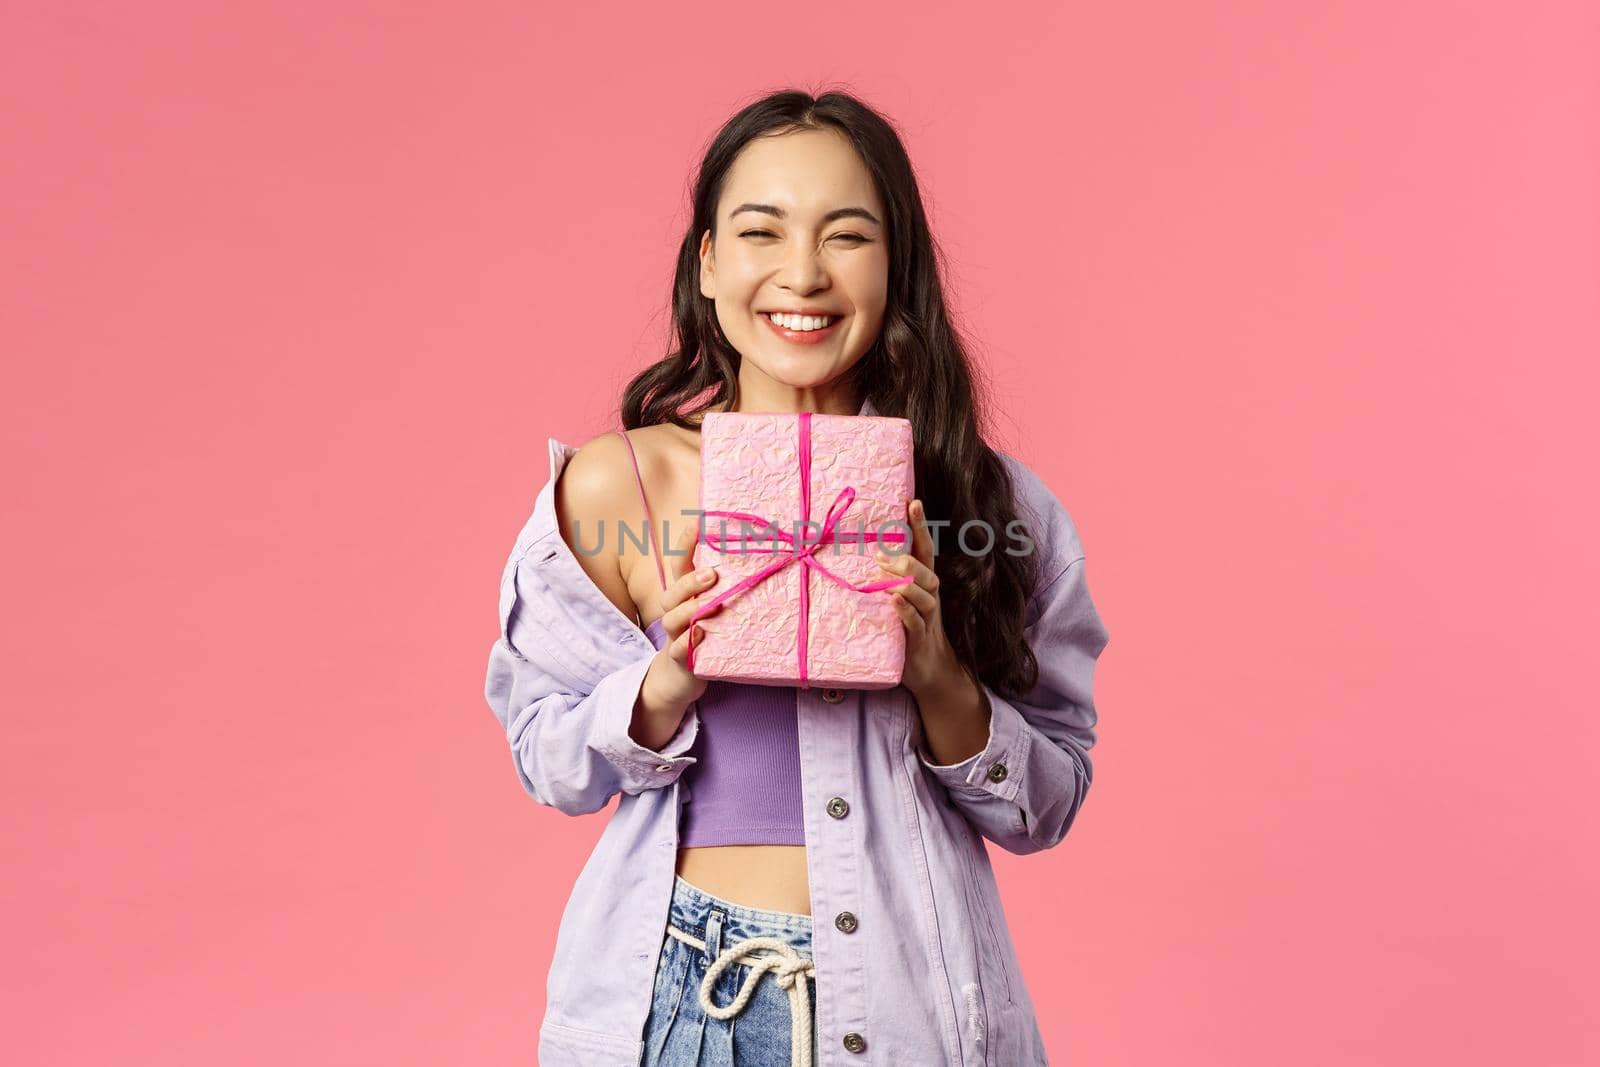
column 744, row 788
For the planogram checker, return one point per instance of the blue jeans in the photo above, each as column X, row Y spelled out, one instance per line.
column 679, row 1033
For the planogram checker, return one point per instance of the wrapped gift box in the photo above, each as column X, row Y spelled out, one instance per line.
column 830, row 489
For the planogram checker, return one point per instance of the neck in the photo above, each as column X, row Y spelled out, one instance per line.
column 839, row 397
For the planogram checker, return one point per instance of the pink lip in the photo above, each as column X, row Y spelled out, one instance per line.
column 803, row 337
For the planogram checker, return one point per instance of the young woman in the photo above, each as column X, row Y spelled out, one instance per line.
column 793, row 875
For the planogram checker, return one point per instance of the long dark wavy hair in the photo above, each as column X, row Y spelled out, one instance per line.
column 917, row 370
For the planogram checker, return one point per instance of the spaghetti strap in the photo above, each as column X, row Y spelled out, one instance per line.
column 661, row 571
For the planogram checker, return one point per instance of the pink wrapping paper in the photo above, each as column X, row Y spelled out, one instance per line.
column 750, row 464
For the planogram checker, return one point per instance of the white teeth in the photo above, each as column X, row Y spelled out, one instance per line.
column 802, row 322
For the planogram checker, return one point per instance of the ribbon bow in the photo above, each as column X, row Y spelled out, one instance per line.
column 803, row 552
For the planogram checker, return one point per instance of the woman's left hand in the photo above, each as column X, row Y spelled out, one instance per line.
column 930, row 661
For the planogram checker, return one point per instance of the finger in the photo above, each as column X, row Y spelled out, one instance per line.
column 921, row 539
column 685, row 588
column 918, row 570
column 688, row 580
column 924, row 600
column 676, row 620
column 679, row 648
column 913, row 619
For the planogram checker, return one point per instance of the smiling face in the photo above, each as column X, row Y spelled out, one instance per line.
column 798, row 229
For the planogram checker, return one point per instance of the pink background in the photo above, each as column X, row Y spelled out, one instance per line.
column 1295, row 306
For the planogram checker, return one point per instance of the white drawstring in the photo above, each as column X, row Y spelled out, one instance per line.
column 789, row 968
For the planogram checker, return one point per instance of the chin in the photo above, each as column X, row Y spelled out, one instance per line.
column 797, row 375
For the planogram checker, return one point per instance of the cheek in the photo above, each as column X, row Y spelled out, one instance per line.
column 735, row 300
column 869, row 288
column 742, row 275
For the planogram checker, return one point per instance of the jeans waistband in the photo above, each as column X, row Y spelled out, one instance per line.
column 692, row 906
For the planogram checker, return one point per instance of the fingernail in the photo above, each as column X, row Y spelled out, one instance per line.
column 702, row 574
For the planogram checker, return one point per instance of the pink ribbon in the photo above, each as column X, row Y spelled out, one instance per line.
column 805, row 554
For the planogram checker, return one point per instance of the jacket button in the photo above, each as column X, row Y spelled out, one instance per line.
column 838, row 808
column 832, row 696
column 854, row 1042
column 845, row 922
column 997, row 772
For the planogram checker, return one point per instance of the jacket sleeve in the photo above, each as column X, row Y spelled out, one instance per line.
column 569, row 740
column 1023, row 790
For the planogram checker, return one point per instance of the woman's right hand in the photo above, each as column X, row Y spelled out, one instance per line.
column 669, row 686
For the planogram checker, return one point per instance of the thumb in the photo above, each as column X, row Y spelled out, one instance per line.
column 679, row 649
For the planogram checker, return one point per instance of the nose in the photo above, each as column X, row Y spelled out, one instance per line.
column 803, row 271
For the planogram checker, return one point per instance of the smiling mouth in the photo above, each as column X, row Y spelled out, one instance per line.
column 801, row 322
column 796, row 331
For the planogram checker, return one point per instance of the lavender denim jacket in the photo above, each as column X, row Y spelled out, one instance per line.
column 928, row 974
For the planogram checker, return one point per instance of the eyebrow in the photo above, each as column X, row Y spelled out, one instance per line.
column 836, row 213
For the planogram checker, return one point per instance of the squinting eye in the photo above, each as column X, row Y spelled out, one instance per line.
column 856, row 237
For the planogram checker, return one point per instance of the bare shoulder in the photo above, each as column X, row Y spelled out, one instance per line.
column 598, row 506
column 592, row 484
column 596, row 491
column 602, row 471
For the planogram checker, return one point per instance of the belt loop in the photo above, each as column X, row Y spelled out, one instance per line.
column 714, row 919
